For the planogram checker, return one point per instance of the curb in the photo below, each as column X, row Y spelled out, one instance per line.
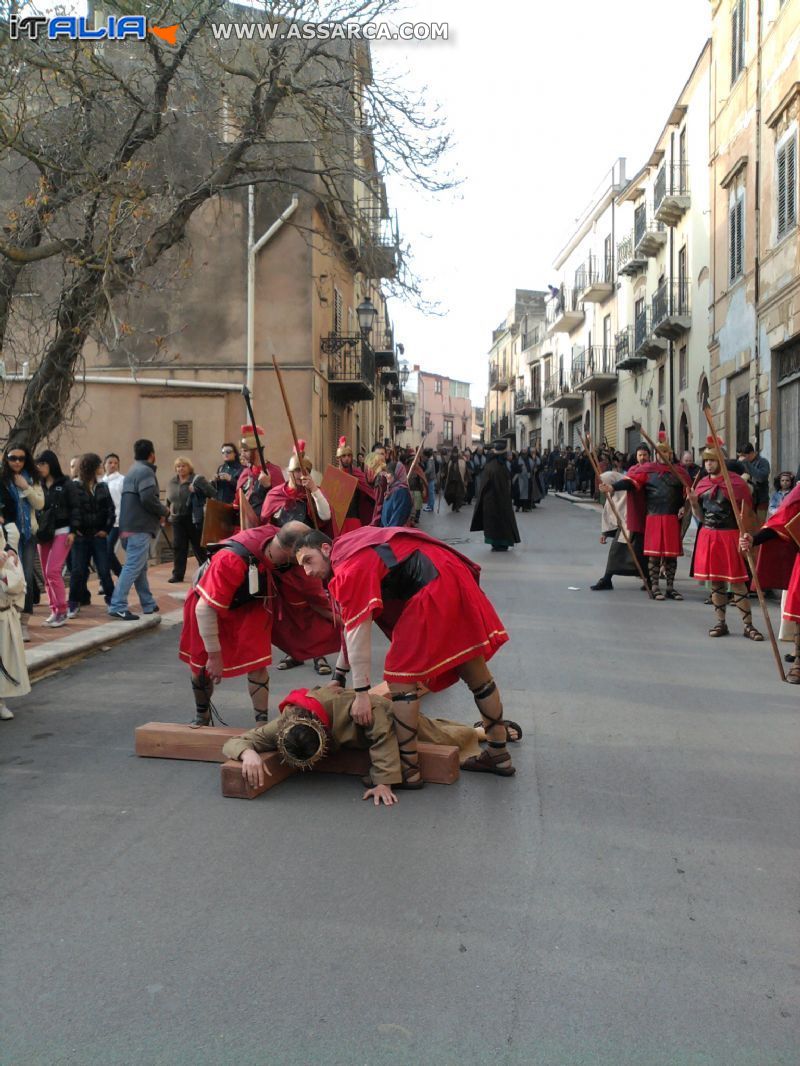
column 57, row 654
column 587, row 501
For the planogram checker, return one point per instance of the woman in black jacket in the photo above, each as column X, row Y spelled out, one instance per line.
column 228, row 473
column 95, row 521
column 58, row 522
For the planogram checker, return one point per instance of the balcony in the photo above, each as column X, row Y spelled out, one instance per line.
column 351, row 368
column 671, row 193
column 378, row 240
column 562, row 391
column 506, row 427
column 627, row 359
column 389, row 375
column 671, row 315
column 564, row 313
column 646, row 344
column 498, row 378
column 527, row 402
column 649, row 235
column 598, row 368
column 594, row 280
column 629, row 262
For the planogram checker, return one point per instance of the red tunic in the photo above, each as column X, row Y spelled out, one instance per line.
column 717, row 556
column 773, row 550
column 662, row 532
column 245, row 633
column 303, row 626
column 446, row 623
column 362, row 506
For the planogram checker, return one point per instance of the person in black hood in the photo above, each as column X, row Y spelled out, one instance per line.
column 95, row 521
column 494, row 513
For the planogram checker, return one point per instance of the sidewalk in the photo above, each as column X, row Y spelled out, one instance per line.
column 52, row 649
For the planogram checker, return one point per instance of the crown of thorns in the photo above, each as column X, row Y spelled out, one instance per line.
column 291, row 722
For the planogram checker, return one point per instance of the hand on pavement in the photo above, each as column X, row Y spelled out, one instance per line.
column 381, row 794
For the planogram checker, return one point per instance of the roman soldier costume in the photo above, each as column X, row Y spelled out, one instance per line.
column 362, row 505
column 255, row 493
column 663, row 493
column 717, row 557
column 304, row 626
column 782, row 530
column 237, row 583
column 426, row 598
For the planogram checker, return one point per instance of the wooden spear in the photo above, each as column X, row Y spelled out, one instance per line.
column 589, row 449
column 295, row 438
column 723, row 467
column 678, row 474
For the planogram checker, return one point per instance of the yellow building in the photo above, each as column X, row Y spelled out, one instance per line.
column 755, row 307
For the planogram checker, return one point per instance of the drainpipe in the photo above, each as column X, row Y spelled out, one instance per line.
column 253, row 248
column 757, row 264
column 670, row 307
column 161, row 383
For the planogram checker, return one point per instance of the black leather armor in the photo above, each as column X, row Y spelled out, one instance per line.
column 404, row 579
column 663, row 493
column 717, row 510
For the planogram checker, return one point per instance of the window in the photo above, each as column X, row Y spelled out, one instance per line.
column 786, row 181
column 682, row 161
column 182, row 434
column 437, row 386
column 683, row 368
column 448, row 431
column 737, row 38
column 736, row 234
column 338, row 312
column 662, row 393
column 682, row 295
column 608, row 256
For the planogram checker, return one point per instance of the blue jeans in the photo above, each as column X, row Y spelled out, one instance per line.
column 431, row 504
column 134, row 572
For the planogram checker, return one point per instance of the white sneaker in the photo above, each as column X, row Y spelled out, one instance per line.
column 73, row 612
column 5, row 714
column 50, row 619
column 58, row 621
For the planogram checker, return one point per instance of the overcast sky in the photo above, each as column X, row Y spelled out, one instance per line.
column 541, row 100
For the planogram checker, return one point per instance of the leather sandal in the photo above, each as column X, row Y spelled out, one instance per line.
column 487, row 763
column 288, row 663
column 322, row 666
column 719, row 630
column 673, row 594
column 752, row 633
column 200, row 720
column 658, row 594
column 793, row 677
column 515, row 726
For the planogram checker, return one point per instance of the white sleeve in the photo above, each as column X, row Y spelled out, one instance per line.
column 322, row 505
column 359, row 652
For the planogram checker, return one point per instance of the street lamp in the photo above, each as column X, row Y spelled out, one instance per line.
column 405, row 371
column 366, row 312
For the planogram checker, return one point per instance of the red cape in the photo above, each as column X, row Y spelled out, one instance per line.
column 776, row 558
column 640, row 473
column 346, row 546
column 741, row 490
column 282, row 495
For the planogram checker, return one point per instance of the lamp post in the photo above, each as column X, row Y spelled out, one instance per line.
column 366, row 313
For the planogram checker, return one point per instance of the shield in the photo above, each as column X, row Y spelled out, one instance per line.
column 338, row 489
column 219, row 522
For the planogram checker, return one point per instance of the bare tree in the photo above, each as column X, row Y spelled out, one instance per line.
column 107, row 151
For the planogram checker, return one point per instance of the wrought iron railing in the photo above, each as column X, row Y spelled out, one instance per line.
column 600, row 359
column 641, row 328
column 623, row 342
column 671, row 180
column 527, row 398
column 504, row 423
column 644, row 223
column 566, row 300
column 625, row 251
column 670, row 299
column 352, row 362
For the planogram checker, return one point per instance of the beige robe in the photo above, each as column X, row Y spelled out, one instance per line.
column 12, row 649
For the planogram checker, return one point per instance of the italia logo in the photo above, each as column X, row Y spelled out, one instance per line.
column 80, row 28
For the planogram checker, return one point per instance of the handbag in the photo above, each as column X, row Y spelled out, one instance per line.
column 46, row 520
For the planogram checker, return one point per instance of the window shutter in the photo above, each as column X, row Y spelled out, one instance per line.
column 732, row 242
column 739, row 235
column 791, row 182
column 182, row 434
column 734, row 36
column 782, row 190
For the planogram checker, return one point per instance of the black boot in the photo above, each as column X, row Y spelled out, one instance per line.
column 602, row 585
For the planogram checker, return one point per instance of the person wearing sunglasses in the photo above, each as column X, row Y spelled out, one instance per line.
column 21, row 496
column 228, row 473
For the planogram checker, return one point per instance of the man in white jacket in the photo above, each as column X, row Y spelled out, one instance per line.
column 114, row 479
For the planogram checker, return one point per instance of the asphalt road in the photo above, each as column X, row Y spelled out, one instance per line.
column 629, row 898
